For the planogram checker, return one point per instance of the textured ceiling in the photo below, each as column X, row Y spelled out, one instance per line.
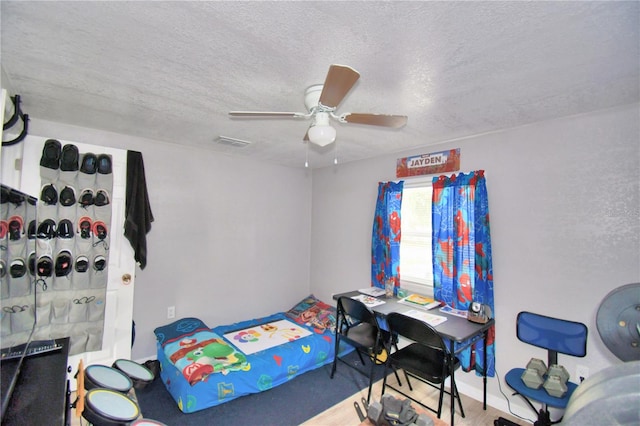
column 172, row 71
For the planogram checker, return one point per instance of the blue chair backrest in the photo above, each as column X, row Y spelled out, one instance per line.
column 557, row 335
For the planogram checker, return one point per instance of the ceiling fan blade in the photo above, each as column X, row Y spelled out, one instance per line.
column 264, row 114
column 340, row 79
column 375, row 119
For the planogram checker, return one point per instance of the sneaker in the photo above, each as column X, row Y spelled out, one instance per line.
column 31, row 263
column 84, row 227
column 47, row 229
column 17, row 268
column 45, row 266
column 51, row 154
column 99, row 263
column 31, row 230
column 86, row 198
column 65, row 229
column 49, row 194
column 68, row 196
column 69, row 158
column 15, row 227
column 100, row 230
column 4, row 229
column 82, row 264
column 89, row 164
column 104, row 164
column 101, row 198
column 64, row 263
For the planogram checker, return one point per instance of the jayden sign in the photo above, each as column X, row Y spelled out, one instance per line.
column 428, row 164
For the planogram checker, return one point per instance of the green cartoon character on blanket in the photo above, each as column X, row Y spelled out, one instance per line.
column 215, row 357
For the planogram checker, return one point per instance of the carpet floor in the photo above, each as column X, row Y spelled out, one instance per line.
column 288, row 404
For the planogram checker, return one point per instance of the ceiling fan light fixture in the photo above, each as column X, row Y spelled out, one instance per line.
column 322, row 135
column 321, row 132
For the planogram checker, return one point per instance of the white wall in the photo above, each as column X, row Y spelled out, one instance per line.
column 565, row 226
column 231, row 237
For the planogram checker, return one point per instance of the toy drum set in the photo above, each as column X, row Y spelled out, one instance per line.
column 106, row 401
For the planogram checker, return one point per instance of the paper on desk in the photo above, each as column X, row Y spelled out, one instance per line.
column 368, row 300
column 372, row 291
column 432, row 320
column 457, row 312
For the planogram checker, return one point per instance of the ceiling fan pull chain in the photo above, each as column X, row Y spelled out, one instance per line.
column 306, row 160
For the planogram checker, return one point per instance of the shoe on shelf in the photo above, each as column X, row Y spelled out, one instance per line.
column 89, row 164
column 70, row 158
column 51, row 154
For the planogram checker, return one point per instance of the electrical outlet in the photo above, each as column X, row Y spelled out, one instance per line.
column 582, row 372
column 171, row 312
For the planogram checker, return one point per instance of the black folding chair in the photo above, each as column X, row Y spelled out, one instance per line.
column 358, row 326
column 425, row 358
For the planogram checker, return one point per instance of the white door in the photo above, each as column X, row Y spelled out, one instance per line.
column 116, row 342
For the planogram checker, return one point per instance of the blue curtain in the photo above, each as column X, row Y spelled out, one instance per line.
column 462, row 266
column 385, row 241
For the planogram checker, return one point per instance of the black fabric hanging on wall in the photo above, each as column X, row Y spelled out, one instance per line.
column 138, row 210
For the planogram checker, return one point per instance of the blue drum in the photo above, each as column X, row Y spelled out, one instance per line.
column 101, row 376
column 105, row 407
column 140, row 375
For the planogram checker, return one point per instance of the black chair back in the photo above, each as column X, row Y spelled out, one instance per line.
column 416, row 330
column 357, row 326
column 353, row 312
column 425, row 358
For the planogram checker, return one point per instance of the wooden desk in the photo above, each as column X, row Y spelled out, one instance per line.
column 455, row 329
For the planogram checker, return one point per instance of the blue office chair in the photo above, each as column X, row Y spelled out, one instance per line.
column 557, row 336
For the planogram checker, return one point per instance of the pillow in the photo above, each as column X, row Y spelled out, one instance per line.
column 313, row 312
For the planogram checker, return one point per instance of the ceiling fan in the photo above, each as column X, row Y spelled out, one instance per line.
column 322, row 100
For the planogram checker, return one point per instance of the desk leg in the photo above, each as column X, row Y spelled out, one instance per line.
column 484, row 372
column 452, row 369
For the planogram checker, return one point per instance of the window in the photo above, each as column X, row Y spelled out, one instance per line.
column 416, row 270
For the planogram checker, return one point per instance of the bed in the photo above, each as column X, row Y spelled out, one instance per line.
column 202, row 367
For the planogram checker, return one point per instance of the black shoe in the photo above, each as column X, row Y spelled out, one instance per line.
column 49, row 194
column 101, row 198
column 31, row 230
column 69, row 159
column 89, row 164
column 82, row 264
column 68, row 196
column 44, row 266
column 64, row 263
column 17, row 268
column 65, row 229
column 51, row 154
column 86, row 198
column 104, row 164
column 47, row 229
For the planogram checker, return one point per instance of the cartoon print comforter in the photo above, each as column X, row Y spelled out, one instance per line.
column 201, row 369
column 197, row 351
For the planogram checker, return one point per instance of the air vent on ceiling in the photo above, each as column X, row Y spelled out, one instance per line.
column 238, row 143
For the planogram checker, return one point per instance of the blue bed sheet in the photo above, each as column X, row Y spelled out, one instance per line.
column 233, row 374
